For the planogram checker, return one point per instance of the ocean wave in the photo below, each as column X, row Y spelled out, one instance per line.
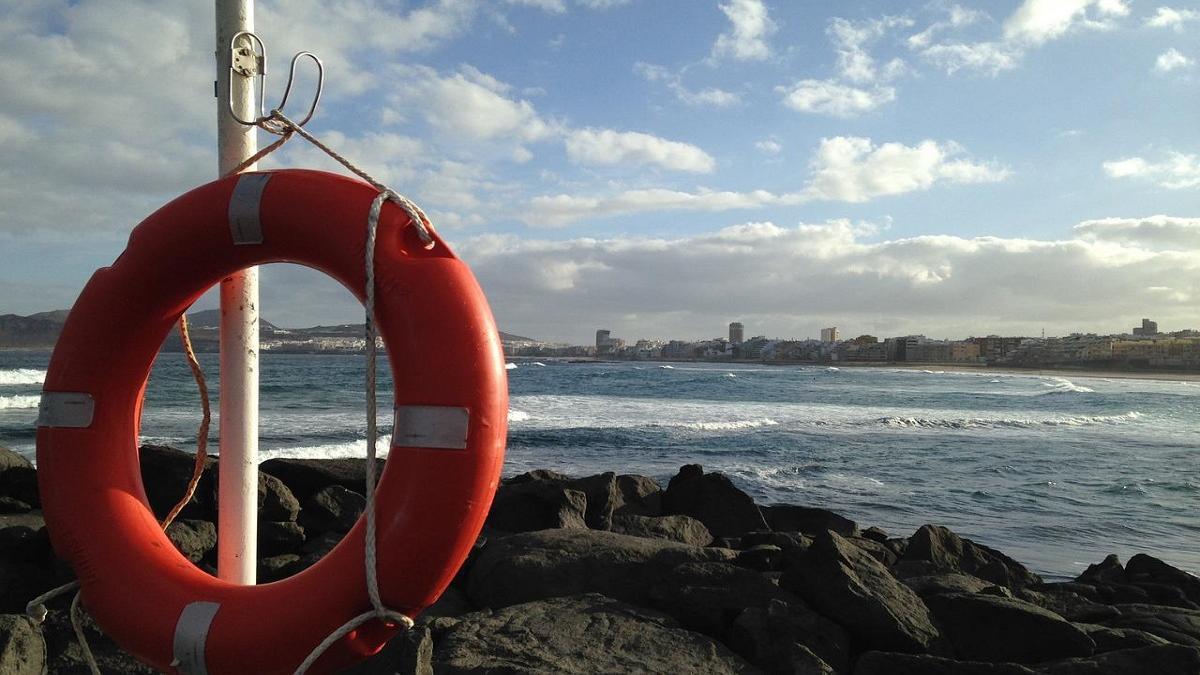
column 510, row 366
column 1061, row 385
column 22, row 376
column 19, row 402
column 518, row 416
column 357, row 448
column 725, row 426
column 1001, row 423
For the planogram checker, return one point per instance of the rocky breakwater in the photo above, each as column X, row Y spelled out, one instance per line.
column 615, row 573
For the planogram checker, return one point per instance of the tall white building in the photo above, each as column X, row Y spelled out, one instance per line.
column 829, row 334
column 737, row 333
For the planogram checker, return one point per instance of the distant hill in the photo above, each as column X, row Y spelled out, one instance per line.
column 211, row 318
column 36, row 331
column 41, row 330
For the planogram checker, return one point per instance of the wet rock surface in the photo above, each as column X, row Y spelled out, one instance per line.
column 614, row 573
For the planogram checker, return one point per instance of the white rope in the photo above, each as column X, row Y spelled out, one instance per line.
column 378, row 610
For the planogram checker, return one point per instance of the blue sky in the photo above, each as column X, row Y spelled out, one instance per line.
column 660, row 167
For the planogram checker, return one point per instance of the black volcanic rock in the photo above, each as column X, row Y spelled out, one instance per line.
column 304, row 477
column 683, row 529
column 713, row 500
column 707, row 597
column 810, row 521
column 989, row 628
column 165, row 475
column 537, row 505
column 549, row 563
column 576, row 634
column 786, row 637
column 844, row 583
column 940, row 546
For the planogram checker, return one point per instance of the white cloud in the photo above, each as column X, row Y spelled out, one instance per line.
column 829, row 97
column 472, row 105
column 846, row 169
column 602, row 4
column 851, row 38
column 1167, row 17
column 552, row 6
column 562, row 209
column 709, row 96
column 937, row 285
column 957, row 17
column 769, row 146
column 1179, row 171
column 1170, row 60
column 1038, row 21
column 853, row 169
column 985, row 57
column 607, row 147
column 1159, row 232
column 751, row 25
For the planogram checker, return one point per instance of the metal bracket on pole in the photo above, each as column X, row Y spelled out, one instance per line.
column 249, row 59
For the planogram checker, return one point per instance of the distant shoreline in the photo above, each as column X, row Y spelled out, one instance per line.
column 1158, row 375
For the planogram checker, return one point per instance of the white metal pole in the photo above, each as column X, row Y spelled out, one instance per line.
column 237, row 500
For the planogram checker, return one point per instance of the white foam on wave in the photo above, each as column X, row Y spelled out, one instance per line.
column 356, row 448
column 22, row 376
column 539, row 364
column 1000, row 423
column 667, row 367
column 833, row 369
column 731, row 425
column 730, row 375
column 1061, row 385
column 518, row 416
column 510, row 366
column 19, row 402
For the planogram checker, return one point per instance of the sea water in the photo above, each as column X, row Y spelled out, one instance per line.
column 1056, row 471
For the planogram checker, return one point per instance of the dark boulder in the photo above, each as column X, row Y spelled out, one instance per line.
column 279, row 537
column 195, row 539
column 600, row 491
column 780, row 636
column 305, row 477
column 940, row 546
column 1150, row 573
column 1108, row 571
column 22, row 648
column 1181, row 626
column 926, row 585
column 537, row 505
column 889, row 663
column 990, row 628
column 1162, row 660
column 875, row 534
column 707, row 597
column 713, row 500
column 549, row 563
column 1067, row 603
column 1113, row 639
column 276, row 567
column 639, row 496
column 763, row 558
column 18, row 479
column 683, row 529
column 10, row 505
column 332, row 509
column 166, row 472
column 810, row 521
column 66, row 656
column 876, row 550
column 844, row 583
column 576, row 634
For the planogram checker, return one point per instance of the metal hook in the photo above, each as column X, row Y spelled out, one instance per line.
column 292, row 78
column 250, row 60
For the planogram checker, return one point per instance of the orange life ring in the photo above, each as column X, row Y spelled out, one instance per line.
column 435, row 490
